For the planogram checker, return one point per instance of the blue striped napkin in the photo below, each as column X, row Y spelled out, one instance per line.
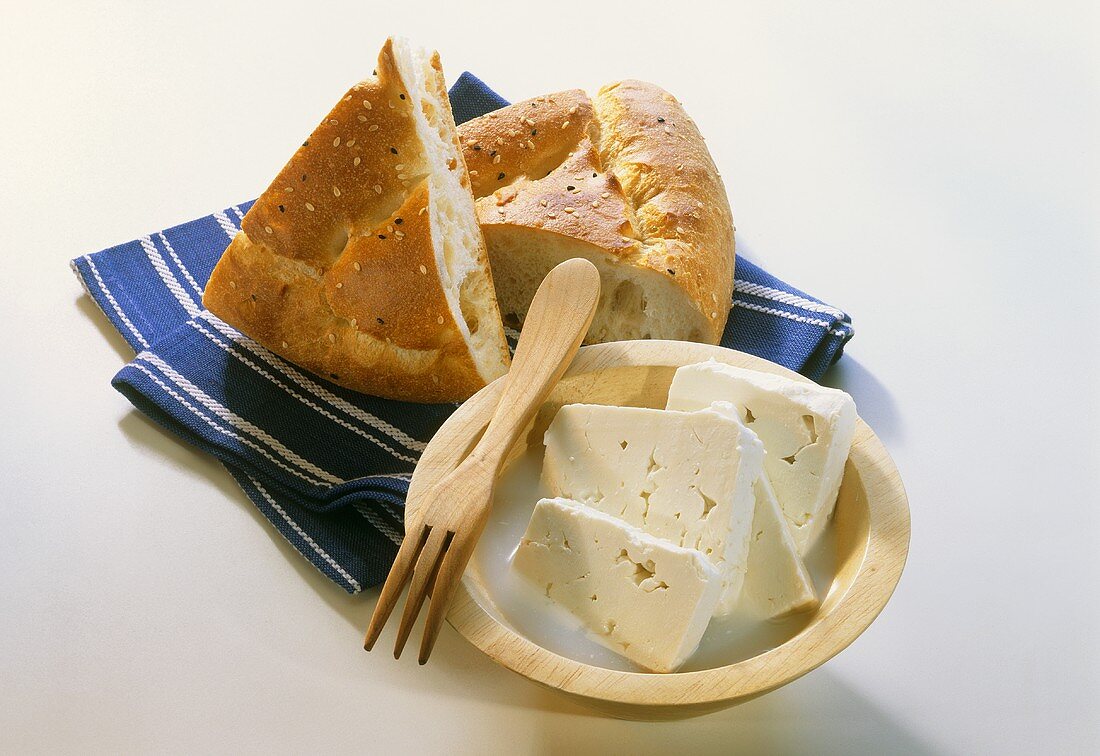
column 329, row 467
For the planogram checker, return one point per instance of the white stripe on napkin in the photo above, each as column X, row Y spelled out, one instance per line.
column 224, row 431
column 305, row 536
column 781, row 313
column 272, row 379
column 392, row 509
column 168, row 277
column 311, row 386
column 373, row 518
column 111, row 298
column 226, row 224
column 179, row 263
column 776, row 295
column 236, row 421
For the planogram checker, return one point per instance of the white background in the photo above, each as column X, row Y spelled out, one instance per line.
column 929, row 166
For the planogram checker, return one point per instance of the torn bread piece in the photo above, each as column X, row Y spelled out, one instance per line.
column 643, row 597
column 623, row 179
column 686, row 477
column 363, row 260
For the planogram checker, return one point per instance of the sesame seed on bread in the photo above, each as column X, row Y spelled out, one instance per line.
column 363, row 261
column 624, row 180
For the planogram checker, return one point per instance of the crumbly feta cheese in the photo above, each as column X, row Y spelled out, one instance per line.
column 682, row 476
column 643, row 597
column 807, row 431
column 777, row 582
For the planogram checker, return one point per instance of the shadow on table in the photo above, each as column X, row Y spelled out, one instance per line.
column 876, row 405
column 819, row 714
column 140, row 430
column 873, row 400
column 456, row 668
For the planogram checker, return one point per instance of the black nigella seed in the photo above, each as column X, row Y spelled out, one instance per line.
column 398, row 221
column 492, row 153
column 333, row 376
column 534, row 132
column 570, row 188
column 303, row 177
column 282, row 208
column 393, row 150
column 477, row 148
column 671, row 272
column 380, row 321
column 593, row 175
column 500, row 176
column 660, row 120
column 305, row 143
column 253, row 296
column 401, row 96
column 381, row 236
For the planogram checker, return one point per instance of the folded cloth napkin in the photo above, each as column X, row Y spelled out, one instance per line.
column 330, row 467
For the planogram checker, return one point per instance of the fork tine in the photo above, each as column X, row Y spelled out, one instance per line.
column 423, row 577
column 395, row 582
column 447, row 578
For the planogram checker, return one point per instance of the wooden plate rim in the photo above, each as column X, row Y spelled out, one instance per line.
column 880, row 570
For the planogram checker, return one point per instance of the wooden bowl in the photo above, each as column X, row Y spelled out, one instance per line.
column 871, row 526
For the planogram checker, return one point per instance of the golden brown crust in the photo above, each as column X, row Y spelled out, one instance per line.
column 656, row 200
column 576, row 199
column 680, row 204
column 336, row 269
column 286, row 307
column 351, row 173
column 387, row 281
column 527, row 139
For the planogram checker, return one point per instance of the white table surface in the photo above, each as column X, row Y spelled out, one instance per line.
column 931, row 167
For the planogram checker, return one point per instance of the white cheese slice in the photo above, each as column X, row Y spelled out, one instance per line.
column 682, row 476
column 777, row 582
column 644, row 598
column 807, row 431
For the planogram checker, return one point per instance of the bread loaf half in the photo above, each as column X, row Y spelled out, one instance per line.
column 623, row 180
column 363, row 260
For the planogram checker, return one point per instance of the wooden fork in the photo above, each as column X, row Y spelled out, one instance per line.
column 451, row 514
